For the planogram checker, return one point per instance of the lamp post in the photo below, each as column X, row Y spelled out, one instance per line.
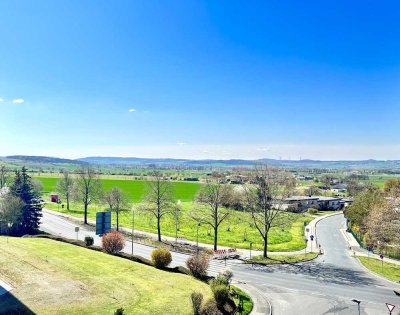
column 358, row 305
column 133, row 225
column 197, row 236
column 177, row 209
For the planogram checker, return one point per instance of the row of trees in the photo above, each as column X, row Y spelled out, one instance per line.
column 20, row 208
column 375, row 215
column 262, row 198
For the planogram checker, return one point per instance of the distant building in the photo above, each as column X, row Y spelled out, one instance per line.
column 300, row 203
column 329, row 203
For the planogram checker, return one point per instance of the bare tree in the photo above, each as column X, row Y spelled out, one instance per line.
column 4, row 176
column 214, row 194
column 159, row 198
column 87, row 187
column 117, row 201
column 65, row 187
column 383, row 224
column 265, row 199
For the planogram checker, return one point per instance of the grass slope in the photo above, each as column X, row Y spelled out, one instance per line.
column 57, row 278
column 390, row 271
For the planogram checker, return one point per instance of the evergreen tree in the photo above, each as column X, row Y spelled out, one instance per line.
column 32, row 211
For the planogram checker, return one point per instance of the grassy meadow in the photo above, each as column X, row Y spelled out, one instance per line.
column 237, row 231
column 51, row 277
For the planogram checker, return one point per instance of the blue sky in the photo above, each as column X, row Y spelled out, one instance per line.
column 203, row 79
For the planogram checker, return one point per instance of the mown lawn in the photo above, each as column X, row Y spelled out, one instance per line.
column 390, row 271
column 237, row 231
column 50, row 277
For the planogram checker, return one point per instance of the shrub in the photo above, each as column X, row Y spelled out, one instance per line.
column 198, row 265
column 312, row 211
column 89, row 241
column 219, row 280
column 197, row 299
column 227, row 274
column 119, row 311
column 210, row 308
column 161, row 257
column 221, row 294
column 113, row 242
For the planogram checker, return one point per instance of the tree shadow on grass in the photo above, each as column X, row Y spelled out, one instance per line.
column 10, row 305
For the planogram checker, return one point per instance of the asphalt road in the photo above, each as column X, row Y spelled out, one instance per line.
column 324, row 286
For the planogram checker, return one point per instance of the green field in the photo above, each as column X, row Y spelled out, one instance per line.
column 390, row 271
column 51, row 277
column 134, row 189
column 237, row 231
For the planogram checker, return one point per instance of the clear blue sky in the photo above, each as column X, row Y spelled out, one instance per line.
column 203, row 79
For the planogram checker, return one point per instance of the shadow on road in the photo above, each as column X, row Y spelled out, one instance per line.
column 325, row 273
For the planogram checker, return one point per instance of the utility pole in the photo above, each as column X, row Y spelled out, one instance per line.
column 133, row 225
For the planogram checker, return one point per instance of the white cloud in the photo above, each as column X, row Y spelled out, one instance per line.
column 264, row 149
column 18, row 101
column 1, row 100
column 131, row 110
column 180, row 143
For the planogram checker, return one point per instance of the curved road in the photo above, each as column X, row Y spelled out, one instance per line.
column 324, row 286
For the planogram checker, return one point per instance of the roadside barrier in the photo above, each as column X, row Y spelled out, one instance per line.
column 225, row 253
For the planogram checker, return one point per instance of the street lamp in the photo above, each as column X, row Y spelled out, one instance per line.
column 358, row 304
column 133, row 225
column 197, row 236
column 177, row 208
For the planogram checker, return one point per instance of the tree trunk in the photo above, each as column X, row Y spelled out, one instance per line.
column 117, row 212
column 215, row 238
column 159, row 229
column 265, row 245
column 85, row 215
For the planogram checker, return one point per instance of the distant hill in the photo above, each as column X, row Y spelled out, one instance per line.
column 362, row 164
column 43, row 159
column 128, row 162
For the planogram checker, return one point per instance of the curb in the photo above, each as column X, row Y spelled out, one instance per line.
column 374, row 273
column 256, row 295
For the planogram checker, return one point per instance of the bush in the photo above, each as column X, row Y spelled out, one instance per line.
column 89, row 241
column 221, row 294
column 161, row 257
column 113, row 242
column 198, row 265
column 119, row 311
column 219, row 280
column 197, row 299
column 210, row 308
column 312, row 211
column 227, row 274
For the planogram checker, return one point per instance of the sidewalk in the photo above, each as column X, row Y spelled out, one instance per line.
column 355, row 247
column 261, row 305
